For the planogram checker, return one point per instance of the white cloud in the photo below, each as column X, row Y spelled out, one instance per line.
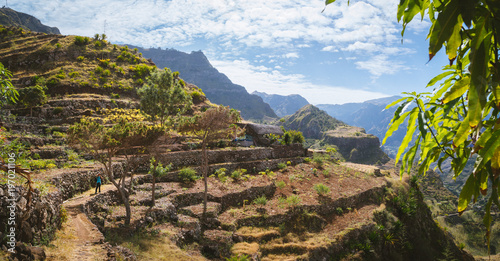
column 255, row 78
column 380, row 64
column 366, row 29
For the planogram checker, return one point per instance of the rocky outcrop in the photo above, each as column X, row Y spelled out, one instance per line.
column 359, row 148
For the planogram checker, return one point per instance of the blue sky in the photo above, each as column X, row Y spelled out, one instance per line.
column 348, row 53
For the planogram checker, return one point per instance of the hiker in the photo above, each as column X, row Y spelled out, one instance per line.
column 98, row 184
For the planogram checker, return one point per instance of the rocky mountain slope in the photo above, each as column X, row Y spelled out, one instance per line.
column 283, row 105
column 196, row 69
column 370, row 115
column 10, row 17
column 352, row 142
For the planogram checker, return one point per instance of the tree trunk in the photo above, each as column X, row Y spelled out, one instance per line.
column 205, row 176
column 121, row 190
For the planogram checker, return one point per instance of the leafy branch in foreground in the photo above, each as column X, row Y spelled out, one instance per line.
column 460, row 118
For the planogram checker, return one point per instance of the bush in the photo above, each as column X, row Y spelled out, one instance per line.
column 236, row 175
column 321, row 189
column 73, row 74
column 98, row 70
column 187, row 175
column 115, row 96
column 339, row 210
column 81, row 40
column 281, row 165
column 57, row 110
column 280, row 184
column 293, row 200
column 80, row 58
column 262, row 200
column 221, row 174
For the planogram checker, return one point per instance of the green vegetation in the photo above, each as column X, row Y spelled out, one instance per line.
column 293, row 200
column 157, row 170
column 280, row 184
column 460, row 117
column 7, row 91
column 188, row 175
column 32, row 96
column 321, row 189
column 262, row 200
column 162, row 95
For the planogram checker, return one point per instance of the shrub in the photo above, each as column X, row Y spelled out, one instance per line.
column 236, row 175
column 81, row 40
column 80, row 58
column 221, row 174
column 307, row 160
column 293, row 200
column 281, row 165
column 73, row 74
column 280, row 184
column 326, row 173
column 239, row 258
column 57, row 110
column 339, row 210
column 98, row 70
column 262, row 200
column 321, row 189
column 318, row 161
column 115, row 96
column 187, row 175
column 106, row 72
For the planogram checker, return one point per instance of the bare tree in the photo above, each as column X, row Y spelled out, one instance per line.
column 214, row 124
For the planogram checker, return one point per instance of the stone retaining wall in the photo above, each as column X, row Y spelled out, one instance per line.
column 194, row 158
column 41, row 222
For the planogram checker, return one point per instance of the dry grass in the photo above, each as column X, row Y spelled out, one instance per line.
column 159, row 248
column 62, row 247
column 244, row 248
column 257, row 233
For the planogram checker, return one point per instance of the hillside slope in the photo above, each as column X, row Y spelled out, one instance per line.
column 196, row 69
column 352, row 142
column 283, row 105
column 10, row 17
column 370, row 115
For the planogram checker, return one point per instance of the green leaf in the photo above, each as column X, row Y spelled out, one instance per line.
column 454, row 42
column 457, row 90
column 421, row 124
column 467, row 8
column 439, row 78
column 466, row 194
column 395, row 102
column 393, row 126
column 462, row 132
column 409, row 132
column 487, row 152
column 444, row 27
column 327, row 2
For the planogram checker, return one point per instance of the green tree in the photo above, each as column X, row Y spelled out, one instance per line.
column 157, row 170
column 214, row 124
column 7, row 91
column 105, row 140
column 163, row 95
column 459, row 120
column 33, row 96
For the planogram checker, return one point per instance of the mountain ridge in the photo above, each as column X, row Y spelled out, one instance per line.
column 196, row 68
column 10, row 17
column 283, row 104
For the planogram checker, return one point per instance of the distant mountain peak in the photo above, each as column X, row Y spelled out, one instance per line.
column 283, row 105
column 10, row 17
column 195, row 68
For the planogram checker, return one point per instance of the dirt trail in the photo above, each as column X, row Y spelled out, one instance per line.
column 87, row 240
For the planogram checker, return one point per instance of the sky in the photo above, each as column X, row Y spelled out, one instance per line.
column 347, row 53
